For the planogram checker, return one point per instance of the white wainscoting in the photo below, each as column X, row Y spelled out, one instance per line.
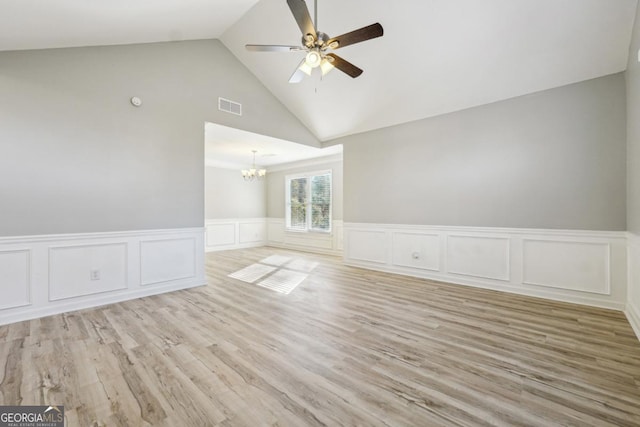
column 416, row 250
column 578, row 266
column 165, row 260
column 585, row 267
column 44, row 275
column 235, row 233
column 71, row 267
column 632, row 309
column 325, row 243
column 478, row 256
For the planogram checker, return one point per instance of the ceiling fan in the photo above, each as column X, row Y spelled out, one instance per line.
column 317, row 44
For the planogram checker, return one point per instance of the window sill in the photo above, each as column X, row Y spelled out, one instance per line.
column 321, row 233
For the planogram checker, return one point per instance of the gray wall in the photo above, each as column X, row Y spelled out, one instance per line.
column 228, row 195
column 276, row 191
column 633, row 131
column 75, row 156
column 554, row 159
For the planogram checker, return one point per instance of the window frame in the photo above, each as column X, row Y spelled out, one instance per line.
column 308, row 203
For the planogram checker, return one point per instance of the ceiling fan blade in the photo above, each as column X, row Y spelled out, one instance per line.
column 302, row 16
column 365, row 33
column 272, row 48
column 298, row 75
column 345, row 66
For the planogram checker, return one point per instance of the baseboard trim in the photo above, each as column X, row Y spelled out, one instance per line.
column 234, row 247
column 632, row 311
column 93, row 302
column 633, row 316
column 308, row 249
column 593, row 302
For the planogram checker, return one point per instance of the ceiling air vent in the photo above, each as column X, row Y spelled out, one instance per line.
column 229, row 106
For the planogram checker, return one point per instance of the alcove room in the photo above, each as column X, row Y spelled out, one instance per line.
column 322, row 212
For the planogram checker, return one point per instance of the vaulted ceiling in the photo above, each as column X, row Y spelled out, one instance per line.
column 42, row 24
column 436, row 56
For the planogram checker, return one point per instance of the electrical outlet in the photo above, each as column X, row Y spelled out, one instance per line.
column 415, row 255
column 94, row 274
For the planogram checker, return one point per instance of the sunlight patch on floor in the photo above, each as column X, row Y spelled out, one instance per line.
column 252, row 273
column 283, row 281
column 278, row 273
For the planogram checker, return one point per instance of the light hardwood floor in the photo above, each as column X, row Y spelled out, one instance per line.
column 347, row 347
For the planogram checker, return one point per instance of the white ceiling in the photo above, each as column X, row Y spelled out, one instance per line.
column 40, row 24
column 231, row 149
column 437, row 56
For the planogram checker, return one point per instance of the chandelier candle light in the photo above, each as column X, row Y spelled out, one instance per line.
column 253, row 173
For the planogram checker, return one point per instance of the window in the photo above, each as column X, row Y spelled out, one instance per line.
column 308, row 201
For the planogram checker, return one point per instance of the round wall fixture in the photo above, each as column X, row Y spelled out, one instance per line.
column 136, row 102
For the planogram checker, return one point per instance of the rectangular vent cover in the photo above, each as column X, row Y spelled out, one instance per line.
column 229, row 106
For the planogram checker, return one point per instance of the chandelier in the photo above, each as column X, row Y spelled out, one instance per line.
column 253, row 173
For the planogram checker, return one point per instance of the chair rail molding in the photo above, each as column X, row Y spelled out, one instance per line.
column 579, row 266
column 51, row 274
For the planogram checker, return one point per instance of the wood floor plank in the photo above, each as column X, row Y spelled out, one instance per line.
column 346, row 347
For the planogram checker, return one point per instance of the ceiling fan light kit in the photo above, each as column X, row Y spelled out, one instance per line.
column 326, row 65
column 317, row 44
column 313, row 59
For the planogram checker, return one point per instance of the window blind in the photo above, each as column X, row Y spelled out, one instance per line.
column 308, row 202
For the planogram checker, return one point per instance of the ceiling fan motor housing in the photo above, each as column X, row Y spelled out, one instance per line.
column 310, row 42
